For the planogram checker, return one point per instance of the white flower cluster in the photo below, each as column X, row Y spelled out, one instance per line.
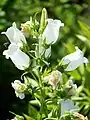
column 48, row 37
column 14, row 52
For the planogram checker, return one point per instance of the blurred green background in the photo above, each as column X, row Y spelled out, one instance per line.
column 75, row 14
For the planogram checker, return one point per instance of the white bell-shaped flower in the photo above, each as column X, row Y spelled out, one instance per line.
column 19, row 89
column 15, row 35
column 67, row 105
column 51, row 31
column 19, row 58
column 74, row 60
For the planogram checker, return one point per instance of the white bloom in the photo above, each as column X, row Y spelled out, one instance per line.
column 67, row 105
column 19, row 58
column 74, row 60
column 15, row 35
column 19, row 89
column 50, row 35
column 51, row 31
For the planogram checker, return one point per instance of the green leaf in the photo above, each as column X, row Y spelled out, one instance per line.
column 33, row 112
column 85, row 29
column 35, row 102
column 30, row 81
column 75, row 74
column 28, row 117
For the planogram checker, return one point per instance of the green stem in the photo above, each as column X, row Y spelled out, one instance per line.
column 40, row 85
column 42, row 100
column 31, row 55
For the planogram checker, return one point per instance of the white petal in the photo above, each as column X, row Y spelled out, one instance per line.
column 5, row 52
column 50, row 20
column 16, row 82
column 58, row 23
column 78, row 54
column 85, row 60
column 9, row 33
column 75, row 86
column 65, row 60
column 19, row 58
column 51, row 31
column 21, row 95
column 15, row 36
column 74, row 64
column 74, row 60
column 70, row 82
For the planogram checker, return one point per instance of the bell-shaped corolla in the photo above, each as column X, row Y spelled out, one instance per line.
column 51, row 32
column 74, row 60
column 15, row 35
column 19, row 58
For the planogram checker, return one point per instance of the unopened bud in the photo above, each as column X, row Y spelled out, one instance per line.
column 80, row 116
column 71, row 88
column 54, row 78
column 43, row 20
column 25, row 28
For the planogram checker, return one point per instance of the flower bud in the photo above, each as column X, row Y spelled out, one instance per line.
column 54, row 78
column 80, row 116
column 30, row 28
column 25, row 28
column 43, row 20
column 71, row 88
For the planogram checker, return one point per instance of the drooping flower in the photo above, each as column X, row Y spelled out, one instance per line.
column 67, row 105
column 15, row 35
column 51, row 31
column 74, row 60
column 19, row 58
column 54, row 78
column 19, row 88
